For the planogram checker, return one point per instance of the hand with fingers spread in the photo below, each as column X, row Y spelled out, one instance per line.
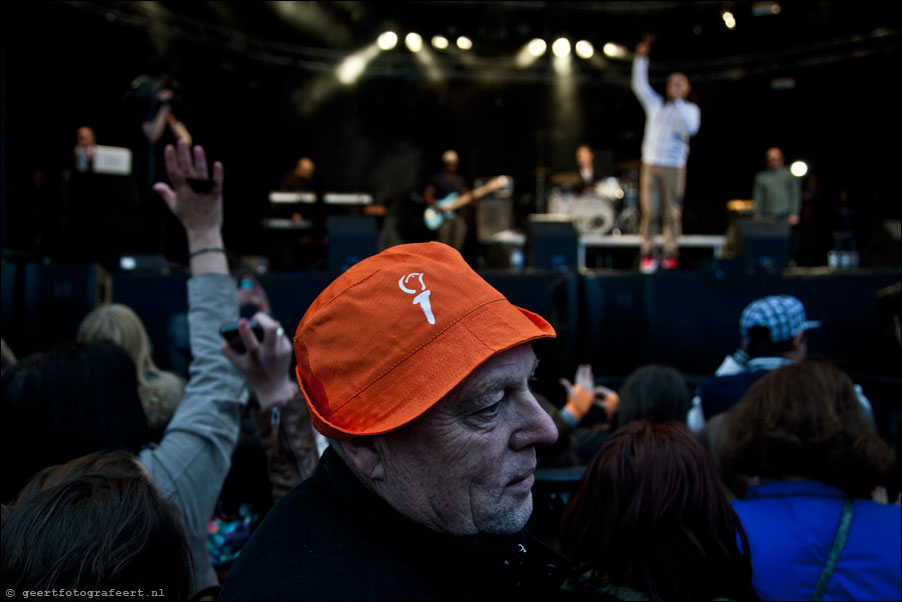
column 199, row 213
column 582, row 395
column 265, row 363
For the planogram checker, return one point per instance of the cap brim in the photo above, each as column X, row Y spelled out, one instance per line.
column 428, row 374
column 811, row 324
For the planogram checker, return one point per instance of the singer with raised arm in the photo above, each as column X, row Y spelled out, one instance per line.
column 669, row 123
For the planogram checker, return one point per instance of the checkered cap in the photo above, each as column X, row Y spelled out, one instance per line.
column 783, row 315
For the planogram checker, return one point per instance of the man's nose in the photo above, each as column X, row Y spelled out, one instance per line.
column 536, row 426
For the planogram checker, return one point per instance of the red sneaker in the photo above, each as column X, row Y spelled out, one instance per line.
column 648, row 265
column 670, row 263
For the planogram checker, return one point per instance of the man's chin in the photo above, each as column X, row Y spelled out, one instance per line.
column 513, row 518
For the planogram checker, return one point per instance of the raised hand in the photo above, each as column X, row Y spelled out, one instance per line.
column 199, row 213
column 265, row 363
column 644, row 47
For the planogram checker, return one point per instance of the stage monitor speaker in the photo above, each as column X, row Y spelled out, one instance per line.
column 555, row 243
column 351, row 238
column 57, row 297
column 765, row 244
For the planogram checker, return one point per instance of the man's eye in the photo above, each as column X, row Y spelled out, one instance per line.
column 488, row 411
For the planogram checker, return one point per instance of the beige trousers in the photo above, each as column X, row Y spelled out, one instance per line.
column 661, row 203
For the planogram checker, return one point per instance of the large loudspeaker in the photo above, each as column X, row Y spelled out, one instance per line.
column 765, row 244
column 555, row 243
column 351, row 238
column 56, row 298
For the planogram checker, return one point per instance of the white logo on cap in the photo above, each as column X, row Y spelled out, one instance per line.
column 422, row 298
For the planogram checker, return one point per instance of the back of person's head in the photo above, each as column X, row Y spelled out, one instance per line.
column 95, row 523
column 759, row 344
column 651, row 515
column 119, row 324
column 75, row 399
column 654, row 392
column 805, row 421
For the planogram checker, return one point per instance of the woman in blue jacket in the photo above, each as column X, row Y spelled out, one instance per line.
column 810, row 461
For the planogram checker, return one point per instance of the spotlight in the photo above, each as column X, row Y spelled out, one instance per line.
column 464, row 43
column 439, row 42
column 414, row 42
column 353, row 66
column 614, row 51
column 584, row 49
column 387, row 40
column 798, row 168
column 561, row 47
column 537, row 47
column 728, row 19
column 350, row 69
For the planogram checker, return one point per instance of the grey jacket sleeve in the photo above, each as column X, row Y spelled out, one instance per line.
column 191, row 462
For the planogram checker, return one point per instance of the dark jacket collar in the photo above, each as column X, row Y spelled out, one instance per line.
column 478, row 566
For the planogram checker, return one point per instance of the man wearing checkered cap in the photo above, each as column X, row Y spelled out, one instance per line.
column 772, row 331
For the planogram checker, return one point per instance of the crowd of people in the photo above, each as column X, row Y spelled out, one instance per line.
column 403, row 449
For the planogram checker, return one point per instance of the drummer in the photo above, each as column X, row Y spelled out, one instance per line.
column 585, row 161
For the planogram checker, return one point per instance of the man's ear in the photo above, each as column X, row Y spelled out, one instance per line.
column 364, row 455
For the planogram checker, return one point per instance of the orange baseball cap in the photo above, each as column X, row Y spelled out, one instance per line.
column 396, row 333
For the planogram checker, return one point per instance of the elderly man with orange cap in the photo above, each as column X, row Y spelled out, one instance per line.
column 417, row 371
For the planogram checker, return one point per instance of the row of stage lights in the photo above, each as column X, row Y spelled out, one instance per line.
column 560, row 47
column 537, row 47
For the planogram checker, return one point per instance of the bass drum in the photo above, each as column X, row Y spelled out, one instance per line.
column 592, row 215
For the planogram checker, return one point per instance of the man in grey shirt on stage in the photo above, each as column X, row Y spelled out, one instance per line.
column 777, row 193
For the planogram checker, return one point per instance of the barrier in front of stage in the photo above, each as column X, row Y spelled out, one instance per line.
column 615, row 321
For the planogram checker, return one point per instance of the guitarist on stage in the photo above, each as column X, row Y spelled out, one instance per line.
column 453, row 231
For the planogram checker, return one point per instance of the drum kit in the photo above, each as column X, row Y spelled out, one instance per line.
column 609, row 207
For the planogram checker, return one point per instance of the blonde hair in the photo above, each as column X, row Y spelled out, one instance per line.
column 120, row 325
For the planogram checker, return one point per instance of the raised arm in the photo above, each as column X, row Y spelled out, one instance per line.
column 191, row 462
column 200, row 214
column 283, row 420
column 639, row 83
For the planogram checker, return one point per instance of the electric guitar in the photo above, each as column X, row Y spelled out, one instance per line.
column 445, row 208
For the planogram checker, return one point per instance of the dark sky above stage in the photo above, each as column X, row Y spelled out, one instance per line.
column 252, row 90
